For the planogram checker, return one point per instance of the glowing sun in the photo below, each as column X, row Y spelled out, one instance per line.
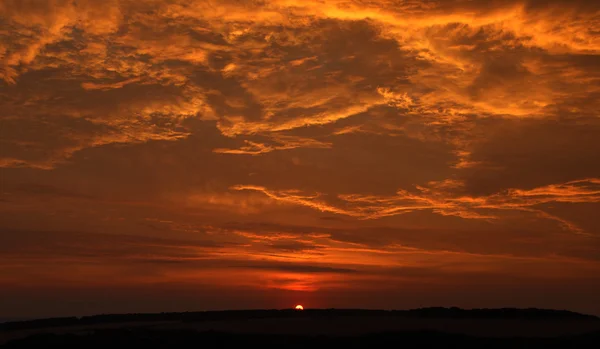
column 299, row 307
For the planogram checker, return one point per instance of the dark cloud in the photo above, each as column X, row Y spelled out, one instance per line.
column 529, row 153
column 52, row 245
column 299, row 268
column 293, row 246
column 49, row 190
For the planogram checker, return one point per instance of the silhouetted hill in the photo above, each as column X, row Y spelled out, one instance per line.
column 149, row 339
column 437, row 313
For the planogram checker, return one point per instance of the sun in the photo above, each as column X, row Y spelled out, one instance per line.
column 299, row 307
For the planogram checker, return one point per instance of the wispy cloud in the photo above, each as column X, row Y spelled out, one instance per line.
column 443, row 198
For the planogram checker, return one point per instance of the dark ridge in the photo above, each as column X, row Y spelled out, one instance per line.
column 148, row 339
column 438, row 313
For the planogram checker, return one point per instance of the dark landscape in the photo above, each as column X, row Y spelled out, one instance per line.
column 315, row 328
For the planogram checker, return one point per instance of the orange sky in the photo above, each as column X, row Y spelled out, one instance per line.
column 167, row 155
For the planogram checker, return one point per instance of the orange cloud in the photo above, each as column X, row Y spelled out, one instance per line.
column 441, row 198
column 285, row 142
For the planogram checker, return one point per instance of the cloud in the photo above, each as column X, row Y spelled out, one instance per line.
column 506, row 154
column 442, row 198
column 49, row 190
column 303, row 268
column 57, row 245
column 440, row 62
column 271, row 266
column 283, row 143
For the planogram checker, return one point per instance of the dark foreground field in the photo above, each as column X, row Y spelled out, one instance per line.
column 319, row 328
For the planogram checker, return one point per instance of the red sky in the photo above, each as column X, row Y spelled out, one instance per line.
column 170, row 155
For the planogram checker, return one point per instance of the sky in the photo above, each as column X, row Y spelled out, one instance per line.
column 173, row 155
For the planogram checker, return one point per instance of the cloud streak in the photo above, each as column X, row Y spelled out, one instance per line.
column 441, row 198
